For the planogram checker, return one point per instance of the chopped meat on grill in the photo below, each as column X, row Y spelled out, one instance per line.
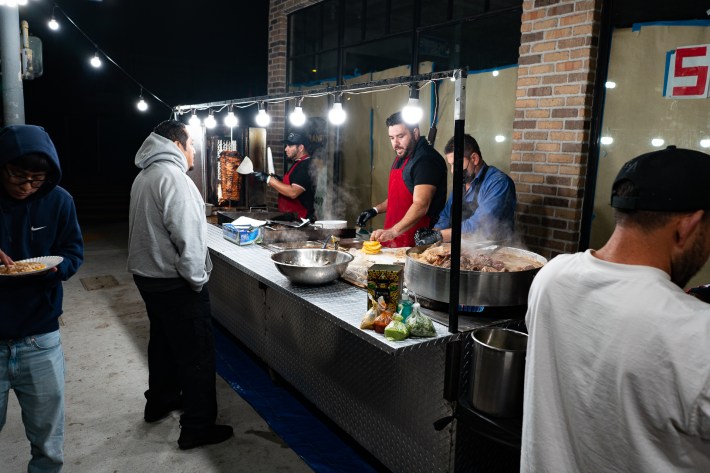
column 440, row 255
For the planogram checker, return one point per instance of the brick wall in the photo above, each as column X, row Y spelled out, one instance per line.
column 278, row 39
column 558, row 59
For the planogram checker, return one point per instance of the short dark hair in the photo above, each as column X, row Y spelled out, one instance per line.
column 396, row 119
column 173, row 130
column 470, row 145
column 33, row 162
column 647, row 220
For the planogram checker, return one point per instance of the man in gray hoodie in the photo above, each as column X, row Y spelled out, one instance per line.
column 168, row 257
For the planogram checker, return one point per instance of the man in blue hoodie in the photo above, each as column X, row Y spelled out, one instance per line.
column 37, row 218
column 167, row 255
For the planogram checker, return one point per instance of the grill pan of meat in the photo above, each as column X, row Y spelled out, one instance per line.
column 492, row 276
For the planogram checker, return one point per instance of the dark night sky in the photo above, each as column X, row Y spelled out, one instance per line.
column 213, row 51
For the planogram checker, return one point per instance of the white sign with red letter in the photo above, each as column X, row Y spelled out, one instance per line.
column 687, row 72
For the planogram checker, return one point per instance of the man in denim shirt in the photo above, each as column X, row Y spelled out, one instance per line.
column 488, row 211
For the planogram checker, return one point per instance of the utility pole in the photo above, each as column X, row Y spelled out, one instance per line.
column 13, row 103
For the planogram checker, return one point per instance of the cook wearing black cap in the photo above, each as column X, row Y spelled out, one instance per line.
column 297, row 190
column 617, row 374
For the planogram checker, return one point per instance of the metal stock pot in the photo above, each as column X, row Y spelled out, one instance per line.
column 476, row 288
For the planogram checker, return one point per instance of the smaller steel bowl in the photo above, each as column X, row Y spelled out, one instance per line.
column 312, row 266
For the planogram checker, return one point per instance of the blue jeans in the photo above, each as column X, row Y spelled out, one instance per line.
column 34, row 368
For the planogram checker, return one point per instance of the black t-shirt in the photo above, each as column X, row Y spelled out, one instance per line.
column 304, row 176
column 426, row 166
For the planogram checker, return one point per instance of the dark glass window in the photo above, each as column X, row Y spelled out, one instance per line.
column 434, row 11
column 466, row 8
column 375, row 19
column 486, row 43
column 401, row 16
column 353, row 21
column 377, row 55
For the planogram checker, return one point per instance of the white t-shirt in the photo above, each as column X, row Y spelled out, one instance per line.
column 618, row 371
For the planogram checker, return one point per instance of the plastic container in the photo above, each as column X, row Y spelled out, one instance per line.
column 496, row 385
column 405, row 305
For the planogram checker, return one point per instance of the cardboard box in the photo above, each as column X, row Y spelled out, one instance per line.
column 241, row 235
column 385, row 280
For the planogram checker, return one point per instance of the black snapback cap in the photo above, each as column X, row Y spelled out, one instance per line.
column 295, row 138
column 672, row 180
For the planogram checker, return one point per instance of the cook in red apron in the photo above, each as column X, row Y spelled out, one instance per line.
column 399, row 199
column 287, row 204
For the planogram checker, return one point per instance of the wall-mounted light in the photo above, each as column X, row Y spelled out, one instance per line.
column 297, row 117
column 96, row 60
column 657, row 142
column 607, row 140
column 610, row 84
column 495, row 73
column 194, row 120
column 141, row 105
column 499, row 138
column 705, row 143
column 262, row 118
column 337, row 115
column 231, row 120
column 210, row 122
column 412, row 113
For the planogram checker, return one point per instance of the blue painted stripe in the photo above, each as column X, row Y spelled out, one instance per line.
column 669, row 54
column 317, row 444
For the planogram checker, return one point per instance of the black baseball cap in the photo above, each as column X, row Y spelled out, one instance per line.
column 295, row 138
column 671, row 180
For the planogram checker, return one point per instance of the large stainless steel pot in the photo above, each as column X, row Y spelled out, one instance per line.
column 475, row 288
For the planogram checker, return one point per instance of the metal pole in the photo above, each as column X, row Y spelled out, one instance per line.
column 13, row 104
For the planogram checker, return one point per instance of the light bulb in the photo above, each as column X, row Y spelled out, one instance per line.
column 705, row 143
column 142, row 105
column 499, row 138
column 610, row 84
column 297, row 117
column 231, row 120
column 22, row 2
column 53, row 24
column 194, row 120
column 412, row 112
column 337, row 114
column 96, row 61
column 210, row 122
column 262, row 118
column 657, row 142
column 495, row 73
column 607, row 140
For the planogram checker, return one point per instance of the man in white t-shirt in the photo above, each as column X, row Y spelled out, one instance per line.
column 618, row 362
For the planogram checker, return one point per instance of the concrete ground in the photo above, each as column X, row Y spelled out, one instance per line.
column 105, row 338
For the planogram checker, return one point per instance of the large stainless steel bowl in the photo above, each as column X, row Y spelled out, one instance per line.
column 475, row 288
column 311, row 266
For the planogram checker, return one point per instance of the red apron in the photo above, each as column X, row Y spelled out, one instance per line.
column 286, row 204
column 399, row 199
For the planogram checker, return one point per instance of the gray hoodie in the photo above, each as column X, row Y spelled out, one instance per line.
column 167, row 228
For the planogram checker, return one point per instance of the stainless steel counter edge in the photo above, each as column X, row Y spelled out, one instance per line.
column 339, row 302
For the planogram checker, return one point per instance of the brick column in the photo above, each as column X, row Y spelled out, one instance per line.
column 558, row 60
column 277, row 80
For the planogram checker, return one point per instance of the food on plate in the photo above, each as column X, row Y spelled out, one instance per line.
column 371, row 247
column 484, row 261
column 22, row 267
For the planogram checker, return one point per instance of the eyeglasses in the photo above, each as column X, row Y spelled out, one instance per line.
column 20, row 180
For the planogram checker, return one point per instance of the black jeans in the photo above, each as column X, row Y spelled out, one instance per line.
column 181, row 353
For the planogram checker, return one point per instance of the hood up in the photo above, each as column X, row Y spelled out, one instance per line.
column 21, row 140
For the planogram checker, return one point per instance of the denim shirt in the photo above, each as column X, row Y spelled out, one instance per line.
column 495, row 216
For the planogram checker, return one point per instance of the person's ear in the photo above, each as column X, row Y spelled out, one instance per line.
column 179, row 145
column 476, row 158
column 686, row 227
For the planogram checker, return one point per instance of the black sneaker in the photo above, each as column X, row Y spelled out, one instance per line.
column 158, row 411
column 191, row 438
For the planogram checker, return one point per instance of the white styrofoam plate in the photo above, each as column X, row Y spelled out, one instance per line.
column 49, row 262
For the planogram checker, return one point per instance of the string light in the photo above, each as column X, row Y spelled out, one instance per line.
column 297, row 117
column 96, row 60
column 210, row 122
column 262, row 118
column 194, row 120
column 412, row 113
column 142, row 105
column 337, row 115
column 53, row 23
column 231, row 120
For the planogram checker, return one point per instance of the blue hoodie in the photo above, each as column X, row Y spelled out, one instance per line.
column 43, row 224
